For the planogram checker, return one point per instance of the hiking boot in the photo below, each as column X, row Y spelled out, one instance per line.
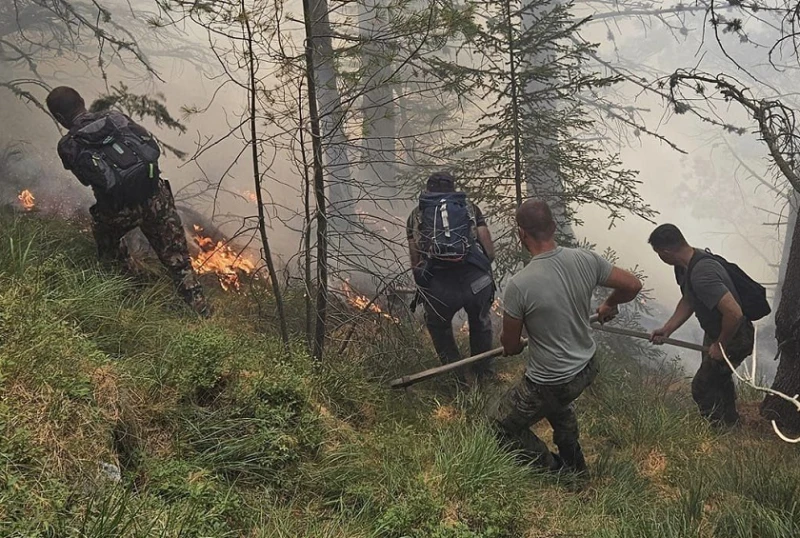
column 557, row 463
column 573, row 459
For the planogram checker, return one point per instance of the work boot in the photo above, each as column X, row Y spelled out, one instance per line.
column 557, row 462
column 573, row 459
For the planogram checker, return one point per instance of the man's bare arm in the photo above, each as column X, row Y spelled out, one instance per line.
column 485, row 239
column 731, row 317
column 626, row 287
column 681, row 315
column 511, row 337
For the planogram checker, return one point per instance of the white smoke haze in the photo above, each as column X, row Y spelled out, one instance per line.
column 695, row 190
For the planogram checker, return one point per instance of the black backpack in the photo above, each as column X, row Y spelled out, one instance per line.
column 117, row 158
column 752, row 294
column 447, row 226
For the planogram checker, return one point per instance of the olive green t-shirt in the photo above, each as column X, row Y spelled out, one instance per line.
column 553, row 295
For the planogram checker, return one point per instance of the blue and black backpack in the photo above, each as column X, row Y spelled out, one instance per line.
column 447, row 226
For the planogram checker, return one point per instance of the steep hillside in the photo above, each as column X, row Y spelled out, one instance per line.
column 122, row 414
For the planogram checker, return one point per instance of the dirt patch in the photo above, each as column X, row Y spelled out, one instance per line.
column 450, row 516
column 507, row 377
column 543, row 430
column 653, row 465
column 106, row 390
column 447, row 413
column 750, row 413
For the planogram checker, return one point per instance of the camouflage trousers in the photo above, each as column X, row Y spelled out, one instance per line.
column 528, row 403
column 161, row 225
column 713, row 389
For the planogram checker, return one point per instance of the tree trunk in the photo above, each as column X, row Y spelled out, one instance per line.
column 321, row 216
column 385, row 199
column 341, row 202
column 308, row 281
column 542, row 174
column 794, row 200
column 787, row 333
column 256, row 157
column 512, row 66
column 377, row 104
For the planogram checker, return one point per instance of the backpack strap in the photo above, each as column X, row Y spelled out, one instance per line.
column 699, row 255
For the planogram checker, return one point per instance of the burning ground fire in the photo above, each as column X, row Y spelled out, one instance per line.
column 362, row 303
column 27, row 200
column 218, row 258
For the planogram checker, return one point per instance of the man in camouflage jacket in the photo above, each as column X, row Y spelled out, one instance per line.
column 156, row 216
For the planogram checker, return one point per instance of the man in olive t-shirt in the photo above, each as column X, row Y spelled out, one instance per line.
column 711, row 295
column 551, row 299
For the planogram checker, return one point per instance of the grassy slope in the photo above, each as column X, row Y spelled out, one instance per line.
column 217, row 435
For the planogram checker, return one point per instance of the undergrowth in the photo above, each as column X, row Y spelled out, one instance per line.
column 122, row 414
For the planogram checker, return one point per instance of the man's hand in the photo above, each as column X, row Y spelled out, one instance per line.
column 659, row 335
column 514, row 350
column 606, row 312
column 715, row 352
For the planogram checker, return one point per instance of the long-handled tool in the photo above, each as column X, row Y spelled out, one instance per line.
column 646, row 336
column 412, row 379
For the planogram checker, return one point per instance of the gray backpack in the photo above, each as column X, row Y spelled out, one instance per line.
column 117, row 158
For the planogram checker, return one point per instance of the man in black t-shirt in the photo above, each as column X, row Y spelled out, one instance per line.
column 710, row 294
column 446, row 287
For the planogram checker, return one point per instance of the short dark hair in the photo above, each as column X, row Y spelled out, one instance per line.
column 536, row 218
column 667, row 236
column 65, row 102
column 441, row 182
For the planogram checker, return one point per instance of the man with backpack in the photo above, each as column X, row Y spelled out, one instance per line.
column 118, row 159
column 726, row 301
column 451, row 253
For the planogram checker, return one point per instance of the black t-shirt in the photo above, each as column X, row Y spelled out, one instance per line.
column 710, row 283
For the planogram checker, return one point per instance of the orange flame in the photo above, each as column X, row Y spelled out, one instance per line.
column 362, row 303
column 220, row 259
column 27, row 199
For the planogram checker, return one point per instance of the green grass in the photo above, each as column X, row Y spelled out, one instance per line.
column 217, row 433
